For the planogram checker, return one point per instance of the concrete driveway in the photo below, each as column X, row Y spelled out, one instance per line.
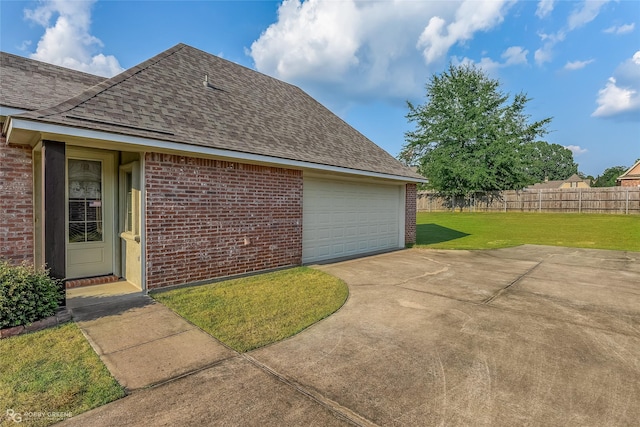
column 522, row 336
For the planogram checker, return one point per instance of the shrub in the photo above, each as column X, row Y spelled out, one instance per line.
column 27, row 294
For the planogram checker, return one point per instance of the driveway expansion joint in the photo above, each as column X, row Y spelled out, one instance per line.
column 518, row 279
column 435, row 294
column 185, row 374
column 339, row 411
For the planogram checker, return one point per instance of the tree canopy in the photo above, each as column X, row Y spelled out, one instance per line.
column 542, row 161
column 469, row 138
column 609, row 176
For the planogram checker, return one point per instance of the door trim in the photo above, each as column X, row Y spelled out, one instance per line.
column 109, row 194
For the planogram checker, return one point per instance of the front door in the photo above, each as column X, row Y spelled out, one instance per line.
column 90, row 213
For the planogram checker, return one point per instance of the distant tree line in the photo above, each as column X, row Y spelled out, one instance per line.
column 608, row 177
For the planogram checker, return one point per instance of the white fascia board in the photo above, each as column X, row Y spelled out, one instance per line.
column 10, row 111
column 187, row 149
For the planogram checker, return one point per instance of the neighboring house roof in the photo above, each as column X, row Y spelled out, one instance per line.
column 557, row 183
column 187, row 96
column 26, row 84
column 632, row 173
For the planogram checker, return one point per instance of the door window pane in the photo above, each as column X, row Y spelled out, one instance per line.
column 85, row 200
column 129, row 201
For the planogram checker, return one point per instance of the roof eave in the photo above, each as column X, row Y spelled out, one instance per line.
column 628, row 171
column 11, row 111
column 140, row 143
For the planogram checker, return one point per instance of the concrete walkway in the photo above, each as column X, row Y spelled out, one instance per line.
column 141, row 342
column 176, row 374
column 530, row 335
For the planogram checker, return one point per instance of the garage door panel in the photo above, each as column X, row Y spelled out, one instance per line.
column 348, row 218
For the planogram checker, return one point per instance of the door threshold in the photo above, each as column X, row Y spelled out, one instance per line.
column 88, row 281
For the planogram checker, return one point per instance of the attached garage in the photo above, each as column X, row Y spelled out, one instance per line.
column 347, row 218
column 222, row 172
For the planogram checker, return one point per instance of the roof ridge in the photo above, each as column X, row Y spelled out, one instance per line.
column 92, row 92
column 163, row 99
column 49, row 64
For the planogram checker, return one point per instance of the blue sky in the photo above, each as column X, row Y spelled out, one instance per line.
column 579, row 61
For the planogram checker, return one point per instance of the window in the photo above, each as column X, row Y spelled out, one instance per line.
column 130, row 199
column 85, row 200
column 128, row 185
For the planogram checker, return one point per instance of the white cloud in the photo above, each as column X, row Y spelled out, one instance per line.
column 68, row 42
column 576, row 149
column 620, row 97
column 585, row 14
column 472, row 16
column 368, row 47
column 614, row 100
column 545, row 53
column 312, row 38
column 621, row 29
column 24, row 45
column 577, row 65
column 486, row 63
column 514, row 55
column 545, row 7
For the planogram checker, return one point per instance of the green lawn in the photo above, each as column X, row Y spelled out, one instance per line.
column 52, row 374
column 447, row 230
column 254, row 311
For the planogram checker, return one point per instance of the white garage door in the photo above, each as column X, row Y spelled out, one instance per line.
column 348, row 218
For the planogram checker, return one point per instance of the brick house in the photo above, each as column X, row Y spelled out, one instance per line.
column 574, row 181
column 185, row 168
column 631, row 177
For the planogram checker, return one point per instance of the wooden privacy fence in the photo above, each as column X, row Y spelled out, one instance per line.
column 613, row 200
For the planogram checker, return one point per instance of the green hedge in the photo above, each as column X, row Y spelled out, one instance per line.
column 26, row 294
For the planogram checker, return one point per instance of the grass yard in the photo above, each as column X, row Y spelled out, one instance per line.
column 254, row 311
column 50, row 375
column 448, row 230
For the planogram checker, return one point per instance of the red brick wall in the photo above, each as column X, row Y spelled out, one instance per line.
column 200, row 211
column 630, row 183
column 410, row 215
column 16, row 202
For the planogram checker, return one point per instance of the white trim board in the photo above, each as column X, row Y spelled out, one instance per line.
column 143, row 144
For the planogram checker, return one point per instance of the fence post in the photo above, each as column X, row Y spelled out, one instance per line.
column 580, row 200
column 627, row 204
column 539, row 200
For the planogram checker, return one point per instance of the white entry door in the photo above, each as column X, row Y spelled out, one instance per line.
column 90, row 213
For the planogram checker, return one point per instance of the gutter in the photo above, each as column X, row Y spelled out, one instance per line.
column 145, row 144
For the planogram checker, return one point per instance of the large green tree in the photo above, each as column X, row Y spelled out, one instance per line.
column 542, row 160
column 468, row 137
column 609, row 176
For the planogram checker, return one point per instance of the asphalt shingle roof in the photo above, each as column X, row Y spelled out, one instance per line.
column 26, row 84
column 557, row 183
column 166, row 98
